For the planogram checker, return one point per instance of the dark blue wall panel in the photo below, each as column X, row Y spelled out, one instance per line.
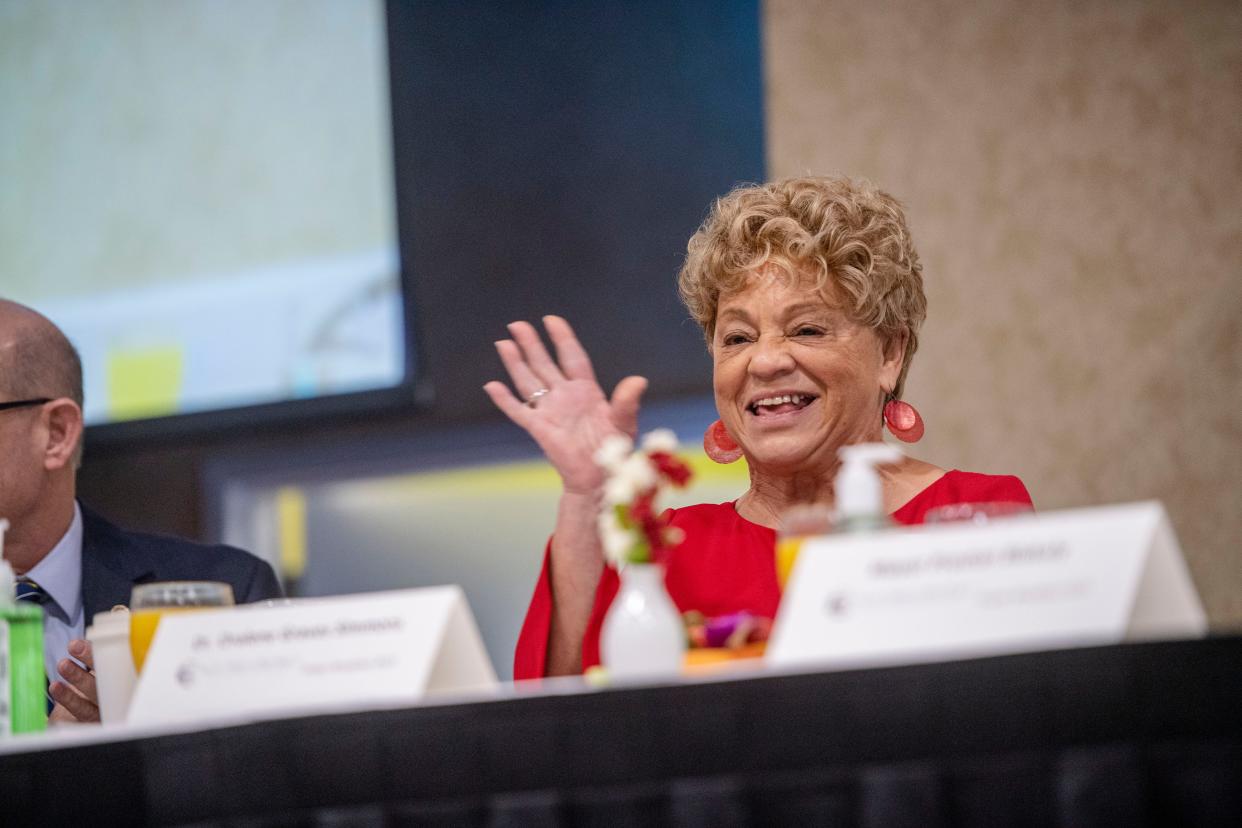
column 555, row 157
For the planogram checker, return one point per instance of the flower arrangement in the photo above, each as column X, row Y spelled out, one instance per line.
column 632, row 528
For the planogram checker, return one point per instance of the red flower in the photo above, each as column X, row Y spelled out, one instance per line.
column 657, row 538
column 671, row 468
column 644, row 516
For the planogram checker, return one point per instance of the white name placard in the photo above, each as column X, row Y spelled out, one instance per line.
column 1060, row 579
column 378, row 648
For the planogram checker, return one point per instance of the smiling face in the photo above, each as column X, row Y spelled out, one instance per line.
column 795, row 378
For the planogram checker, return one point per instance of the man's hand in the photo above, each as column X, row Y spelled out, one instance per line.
column 76, row 698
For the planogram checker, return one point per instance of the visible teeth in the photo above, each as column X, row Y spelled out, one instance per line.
column 796, row 399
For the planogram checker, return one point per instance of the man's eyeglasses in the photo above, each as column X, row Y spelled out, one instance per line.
column 24, row 403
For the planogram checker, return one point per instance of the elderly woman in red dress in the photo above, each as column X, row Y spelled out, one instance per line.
column 810, row 295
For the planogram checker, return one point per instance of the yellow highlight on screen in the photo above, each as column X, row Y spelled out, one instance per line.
column 144, row 382
column 291, row 530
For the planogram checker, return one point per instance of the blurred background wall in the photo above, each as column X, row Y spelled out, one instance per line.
column 1073, row 176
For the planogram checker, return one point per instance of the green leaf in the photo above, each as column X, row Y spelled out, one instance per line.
column 623, row 515
column 640, row 552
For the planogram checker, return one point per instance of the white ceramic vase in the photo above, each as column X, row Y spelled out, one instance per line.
column 643, row 635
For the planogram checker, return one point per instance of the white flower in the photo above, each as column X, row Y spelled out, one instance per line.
column 619, row 489
column 638, row 469
column 617, row 540
column 613, row 451
column 661, row 439
column 629, row 478
column 630, row 475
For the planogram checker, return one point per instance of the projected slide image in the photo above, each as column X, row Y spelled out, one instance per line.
column 304, row 330
column 201, row 195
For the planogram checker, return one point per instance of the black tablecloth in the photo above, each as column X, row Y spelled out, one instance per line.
column 1145, row 734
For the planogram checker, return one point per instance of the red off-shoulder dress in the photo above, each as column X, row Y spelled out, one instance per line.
column 727, row 564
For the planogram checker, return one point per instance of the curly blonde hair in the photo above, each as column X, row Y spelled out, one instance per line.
column 827, row 228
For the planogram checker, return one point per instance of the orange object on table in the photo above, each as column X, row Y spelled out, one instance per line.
column 142, row 627
column 702, row 660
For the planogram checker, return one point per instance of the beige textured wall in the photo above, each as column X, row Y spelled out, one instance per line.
column 1073, row 174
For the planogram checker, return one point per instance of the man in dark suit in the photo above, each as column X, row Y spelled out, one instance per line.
column 114, row 561
column 69, row 560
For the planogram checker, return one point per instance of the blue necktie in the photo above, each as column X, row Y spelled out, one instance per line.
column 27, row 590
column 30, row 592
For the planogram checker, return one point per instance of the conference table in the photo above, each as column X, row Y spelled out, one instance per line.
column 1134, row 734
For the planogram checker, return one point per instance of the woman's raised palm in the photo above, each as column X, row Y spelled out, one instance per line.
column 572, row 416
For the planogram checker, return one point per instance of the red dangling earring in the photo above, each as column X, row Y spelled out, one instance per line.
column 720, row 445
column 903, row 420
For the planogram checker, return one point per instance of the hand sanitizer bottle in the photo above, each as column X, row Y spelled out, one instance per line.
column 860, row 494
column 23, row 685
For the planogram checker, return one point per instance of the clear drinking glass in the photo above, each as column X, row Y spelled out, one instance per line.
column 150, row 602
column 977, row 512
column 797, row 524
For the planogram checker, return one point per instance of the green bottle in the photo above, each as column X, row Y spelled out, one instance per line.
column 23, row 686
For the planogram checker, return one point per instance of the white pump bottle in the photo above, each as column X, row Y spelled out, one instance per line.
column 859, row 490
